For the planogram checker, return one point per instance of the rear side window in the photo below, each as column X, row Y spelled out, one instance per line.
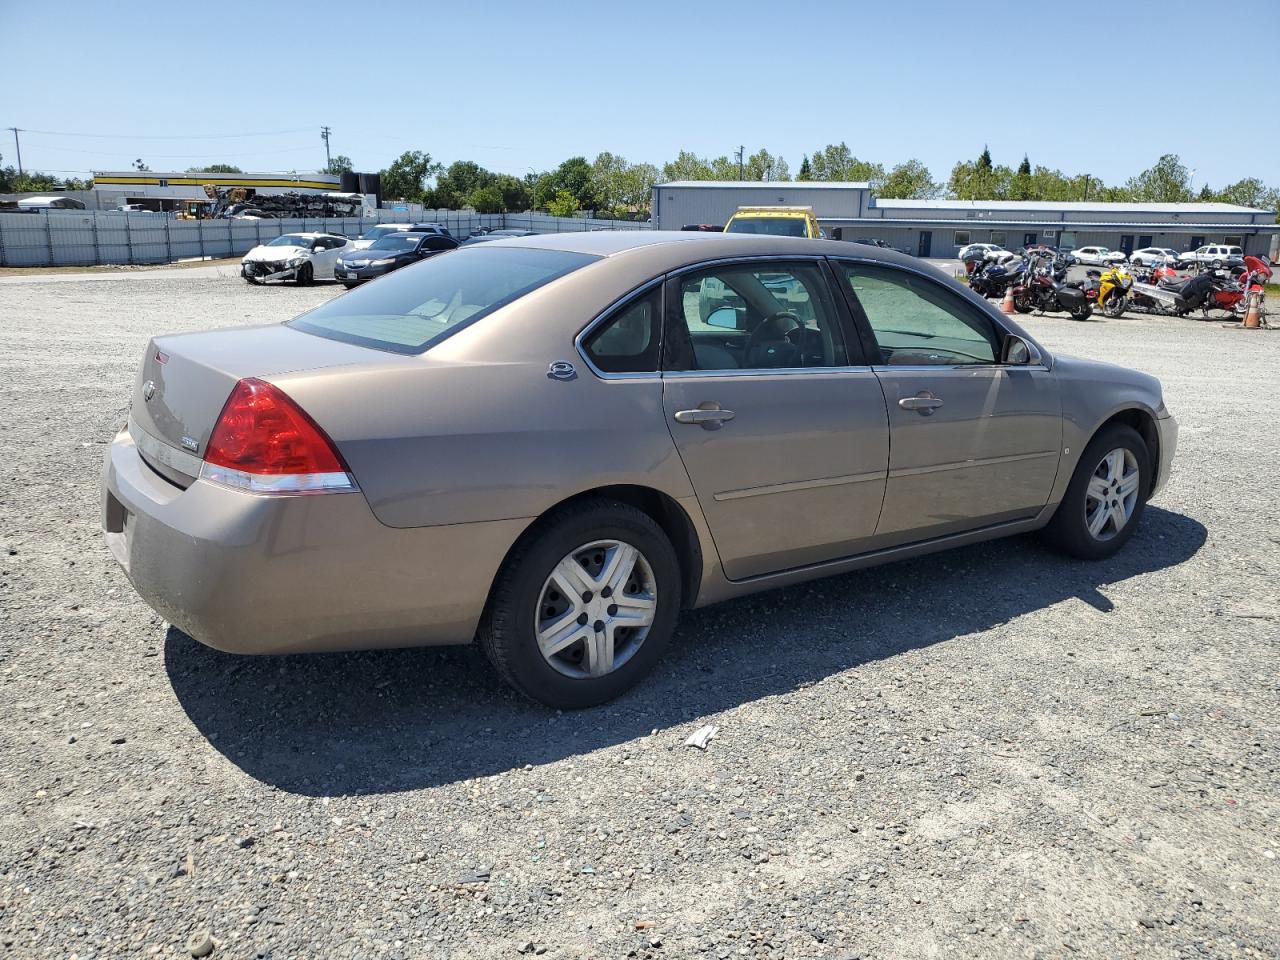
column 411, row 310
column 439, row 242
column 628, row 341
column 772, row 226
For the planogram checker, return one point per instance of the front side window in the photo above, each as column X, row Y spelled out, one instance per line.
column 918, row 322
column 628, row 340
column 753, row 316
column 409, row 311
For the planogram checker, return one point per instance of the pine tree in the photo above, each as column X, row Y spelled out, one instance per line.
column 806, row 172
column 1024, row 168
column 984, row 161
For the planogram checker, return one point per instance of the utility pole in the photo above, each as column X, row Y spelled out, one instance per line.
column 328, row 161
column 1086, row 186
column 741, row 151
column 18, row 147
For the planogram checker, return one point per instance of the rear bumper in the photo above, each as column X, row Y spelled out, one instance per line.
column 1167, row 428
column 261, row 574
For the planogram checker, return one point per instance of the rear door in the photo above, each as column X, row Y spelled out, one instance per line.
column 973, row 442
column 783, row 434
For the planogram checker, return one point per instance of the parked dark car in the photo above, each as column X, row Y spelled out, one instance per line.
column 389, row 253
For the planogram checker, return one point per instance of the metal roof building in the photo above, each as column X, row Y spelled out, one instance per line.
column 939, row 228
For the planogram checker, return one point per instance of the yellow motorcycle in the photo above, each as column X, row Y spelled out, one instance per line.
column 1113, row 290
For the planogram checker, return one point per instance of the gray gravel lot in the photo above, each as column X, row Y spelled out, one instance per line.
column 992, row 753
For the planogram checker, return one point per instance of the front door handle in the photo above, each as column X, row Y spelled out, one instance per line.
column 923, row 403
column 707, row 415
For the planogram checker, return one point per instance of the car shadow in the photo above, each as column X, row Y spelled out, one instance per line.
column 381, row 721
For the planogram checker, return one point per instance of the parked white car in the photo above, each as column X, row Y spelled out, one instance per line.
column 976, row 251
column 301, row 257
column 1098, row 256
column 367, row 238
column 1154, row 256
column 1216, row 255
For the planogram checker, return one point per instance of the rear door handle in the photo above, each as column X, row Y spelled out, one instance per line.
column 923, row 404
column 708, row 416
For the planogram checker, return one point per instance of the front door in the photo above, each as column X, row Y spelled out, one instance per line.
column 785, row 441
column 1126, row 243
column 1144, row 242
column 973, row 442
column 925, row 245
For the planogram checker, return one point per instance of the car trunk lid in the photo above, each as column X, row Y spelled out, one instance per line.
column 186, row 379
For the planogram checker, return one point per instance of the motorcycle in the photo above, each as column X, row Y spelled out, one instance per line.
column 1113, row 291
column 1228, row 296
column 1042, row 289
column 1174, row 298
column 990, row 277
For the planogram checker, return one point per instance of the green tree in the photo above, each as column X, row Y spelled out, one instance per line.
column 806, row 171
column 984, row 158
column 406, row 177
column 1249, row 192
column 636, row 187
column 338, row 165
column 909, row 181
column 455, row 186
column 836, row 162
column 215, row 168
column 686, row 166
column 1166, row 182
column 762, row 165
column 486, row 200
column 138, row 164
column 574, row 177
column 564, row 204
column 515, row 193
column 607, row 172
column 1022, row 184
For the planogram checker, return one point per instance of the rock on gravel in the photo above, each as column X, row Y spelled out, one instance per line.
column 989, row 753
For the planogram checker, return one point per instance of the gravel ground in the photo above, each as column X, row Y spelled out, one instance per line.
column 991, row 753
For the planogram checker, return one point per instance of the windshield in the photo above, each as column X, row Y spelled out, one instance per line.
column 411, row 310
column 772, row 226
column 373, row 233
column 400, row 241
column 291, row 240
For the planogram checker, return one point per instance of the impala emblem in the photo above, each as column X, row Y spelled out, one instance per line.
column 148, row 390
column 561, row 370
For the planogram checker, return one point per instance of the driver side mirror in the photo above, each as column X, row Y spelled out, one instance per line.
column 1017, row 352
column 726, row 317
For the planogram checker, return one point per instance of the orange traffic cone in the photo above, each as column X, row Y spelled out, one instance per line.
column 1253, row 317
column 1006, row 305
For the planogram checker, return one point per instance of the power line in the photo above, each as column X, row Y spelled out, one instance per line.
column 168, row 136
column 178, row 156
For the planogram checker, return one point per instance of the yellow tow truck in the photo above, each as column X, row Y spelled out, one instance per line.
column 776, row 222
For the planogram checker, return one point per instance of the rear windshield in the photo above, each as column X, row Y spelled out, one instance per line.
column 411, row 310
column 773, row 226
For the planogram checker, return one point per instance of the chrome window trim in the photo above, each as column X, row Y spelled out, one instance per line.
column 763, row 372
column 887, row 369
column 605, row 314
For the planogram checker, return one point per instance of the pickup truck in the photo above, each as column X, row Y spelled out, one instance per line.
column 775, row 222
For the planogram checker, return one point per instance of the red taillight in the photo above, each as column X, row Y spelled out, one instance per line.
column 265, row 442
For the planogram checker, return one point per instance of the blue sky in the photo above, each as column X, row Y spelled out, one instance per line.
column 520, row 86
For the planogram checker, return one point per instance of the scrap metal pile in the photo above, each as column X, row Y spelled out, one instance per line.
column 240, row 203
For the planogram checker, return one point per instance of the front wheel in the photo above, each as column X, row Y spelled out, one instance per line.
column 585, row 605
column 350, row 286
column 304, row 276
column 1114, row 306
column 1082, row 312
column 1106, row 496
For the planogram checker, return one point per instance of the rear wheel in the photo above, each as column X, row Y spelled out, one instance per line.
column 585, row 605
column 1082, row 312
column 1106, row 496
column 304, row 276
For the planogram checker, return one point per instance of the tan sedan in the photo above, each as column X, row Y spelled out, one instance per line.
column 553, row 444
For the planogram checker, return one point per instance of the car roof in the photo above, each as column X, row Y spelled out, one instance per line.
column 690, row 246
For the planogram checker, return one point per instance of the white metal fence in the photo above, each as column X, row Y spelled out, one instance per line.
column 78, row 238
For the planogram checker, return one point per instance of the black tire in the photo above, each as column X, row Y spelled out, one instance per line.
column 1067, row 531
column 1082, row 312
column 304, row 276
column 350, row 286
column 1114, row 307
column 507, row 629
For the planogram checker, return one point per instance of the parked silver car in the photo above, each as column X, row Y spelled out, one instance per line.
column 552, row 444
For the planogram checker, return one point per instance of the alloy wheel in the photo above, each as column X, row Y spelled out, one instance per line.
column 595, row 609
column 1112, row 494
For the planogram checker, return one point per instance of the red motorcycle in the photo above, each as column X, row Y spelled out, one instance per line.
column 1228, row 296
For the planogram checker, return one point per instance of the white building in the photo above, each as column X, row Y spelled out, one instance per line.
column 939, row 228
